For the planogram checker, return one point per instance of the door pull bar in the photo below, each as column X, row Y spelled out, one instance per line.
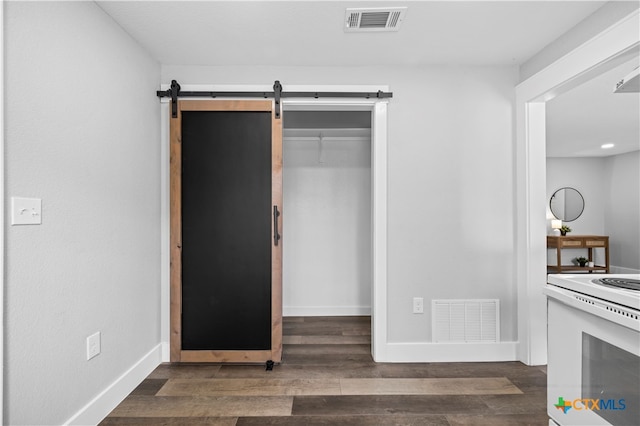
column 276, row 235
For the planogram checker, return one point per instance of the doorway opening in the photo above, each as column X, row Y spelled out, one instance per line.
column 608, row 49
column 327, row 205
column 601, row 182
column 374, row 113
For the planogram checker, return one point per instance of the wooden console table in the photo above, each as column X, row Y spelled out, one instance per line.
column 578, row 241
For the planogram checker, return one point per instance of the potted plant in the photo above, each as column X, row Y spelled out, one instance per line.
column 564, row 230
column 582, row 261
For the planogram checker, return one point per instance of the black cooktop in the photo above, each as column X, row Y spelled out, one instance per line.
column 626, row 283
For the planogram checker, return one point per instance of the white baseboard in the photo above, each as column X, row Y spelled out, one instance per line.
column 98, row 408
column 166, row 352
column 620, row 270
column 325, row 311
column 450, row 352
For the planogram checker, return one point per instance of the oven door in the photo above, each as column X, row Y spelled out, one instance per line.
column 593, row 373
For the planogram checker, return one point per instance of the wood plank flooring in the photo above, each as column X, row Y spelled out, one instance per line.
column 327, row 377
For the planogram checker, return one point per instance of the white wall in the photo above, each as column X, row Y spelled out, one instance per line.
column 327, row 233
column 450, row 184
column 622, row 210
column 611, row 190
column 82, row 132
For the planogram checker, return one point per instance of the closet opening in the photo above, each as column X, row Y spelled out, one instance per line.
column 327, row 203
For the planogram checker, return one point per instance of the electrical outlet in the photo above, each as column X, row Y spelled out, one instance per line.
column 93, row 345
column 418, row 305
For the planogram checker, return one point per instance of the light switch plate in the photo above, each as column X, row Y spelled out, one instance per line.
column 26, row 211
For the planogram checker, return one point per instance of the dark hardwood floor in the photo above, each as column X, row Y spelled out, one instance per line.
column 327, row 377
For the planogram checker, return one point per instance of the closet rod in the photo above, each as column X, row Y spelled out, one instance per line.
column 174, row 93
column 327, row 138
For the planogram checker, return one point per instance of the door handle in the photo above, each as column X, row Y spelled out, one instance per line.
column 276, row 235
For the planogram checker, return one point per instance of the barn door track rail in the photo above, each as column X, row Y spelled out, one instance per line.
column 174, row 93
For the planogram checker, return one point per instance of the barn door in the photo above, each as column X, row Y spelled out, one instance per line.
column 226, row 253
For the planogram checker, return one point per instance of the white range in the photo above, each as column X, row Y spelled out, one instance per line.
column 593, row 332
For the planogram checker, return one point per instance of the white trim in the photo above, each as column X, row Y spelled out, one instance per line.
column 451, row 352
column 325, row 311
column 2, row 195
column 378, row 110
column 100, row 406
column 165, row 232
column 379, row 226
column 583, row 63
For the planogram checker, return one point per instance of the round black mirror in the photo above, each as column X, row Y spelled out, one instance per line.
column 567, row 204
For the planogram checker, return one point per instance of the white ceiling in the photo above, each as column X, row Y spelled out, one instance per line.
column 310, row 33
column 581, row 120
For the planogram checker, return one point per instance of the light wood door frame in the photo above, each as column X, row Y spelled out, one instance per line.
column 175, row 208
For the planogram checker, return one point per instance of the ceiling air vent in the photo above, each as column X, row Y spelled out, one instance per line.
column 375, row 19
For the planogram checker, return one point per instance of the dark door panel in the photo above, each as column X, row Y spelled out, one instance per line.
column 226, row 230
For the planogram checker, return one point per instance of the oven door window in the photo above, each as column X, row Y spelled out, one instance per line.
column 610, row 378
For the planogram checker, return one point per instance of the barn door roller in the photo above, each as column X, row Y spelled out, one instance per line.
column 174, row 93
column 277, row 93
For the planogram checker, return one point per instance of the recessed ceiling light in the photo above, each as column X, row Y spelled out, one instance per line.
column 607, row 146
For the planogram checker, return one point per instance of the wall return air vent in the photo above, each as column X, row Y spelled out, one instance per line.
column 466, row 321
column 374, row 19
